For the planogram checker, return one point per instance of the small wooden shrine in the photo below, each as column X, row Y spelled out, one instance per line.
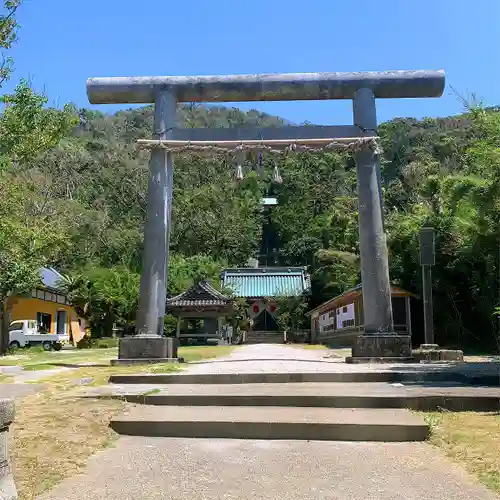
column 200, row 312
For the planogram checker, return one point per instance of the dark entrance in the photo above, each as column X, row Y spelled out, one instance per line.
column 399, row 312
column 265, row 322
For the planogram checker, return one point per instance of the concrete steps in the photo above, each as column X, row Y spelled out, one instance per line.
column 312, row 395
column 272, row 423
column 430, row 375
column 331, row 402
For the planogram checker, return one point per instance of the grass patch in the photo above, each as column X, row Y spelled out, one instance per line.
column 472, row 439
column 37, row 359
column 106, row 343
column 54, row 434
column 198, row 353
column 313, row 347
column 151, row 392
column 33, row 367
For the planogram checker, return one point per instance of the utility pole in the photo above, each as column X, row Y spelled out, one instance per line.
column 427, row 260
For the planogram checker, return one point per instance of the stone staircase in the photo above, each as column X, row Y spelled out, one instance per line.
column 343, row 406
column 263, row 337
column 279, row 392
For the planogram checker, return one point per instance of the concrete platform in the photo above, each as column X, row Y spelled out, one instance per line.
column 200, row 469
column 270, row 422
column 329, row 395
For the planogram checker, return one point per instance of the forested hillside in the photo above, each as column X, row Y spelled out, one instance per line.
column 73, row 195
column 89, row 194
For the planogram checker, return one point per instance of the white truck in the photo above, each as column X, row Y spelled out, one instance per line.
column 25, row 333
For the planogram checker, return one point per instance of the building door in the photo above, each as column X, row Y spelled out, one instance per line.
column 61, row 322
column 399, row 313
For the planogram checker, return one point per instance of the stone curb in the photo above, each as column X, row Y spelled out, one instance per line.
column 7, row 486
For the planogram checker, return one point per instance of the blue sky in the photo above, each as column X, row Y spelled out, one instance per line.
column 63, row 42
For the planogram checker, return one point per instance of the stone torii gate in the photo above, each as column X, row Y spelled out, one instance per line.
column 379, row 340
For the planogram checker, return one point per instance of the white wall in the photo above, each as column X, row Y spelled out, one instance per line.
column 345, row 314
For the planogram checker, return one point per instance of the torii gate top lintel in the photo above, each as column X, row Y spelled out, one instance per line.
column 267, row 87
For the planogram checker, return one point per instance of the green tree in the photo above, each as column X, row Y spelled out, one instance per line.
column 27, row 242
column 8, row 35
column 33, row 228
column 290, row 313
column 184, row 271
column 27, row 128
column 104, row 296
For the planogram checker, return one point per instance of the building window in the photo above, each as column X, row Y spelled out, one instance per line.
column 18, row 325
column 44, row 321
column 344, row 309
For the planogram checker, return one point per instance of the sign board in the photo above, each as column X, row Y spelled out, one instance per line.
column 427, row 247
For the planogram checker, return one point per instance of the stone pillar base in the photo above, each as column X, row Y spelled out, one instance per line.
column 432, row 353
column 146, row 349
column 381, row 348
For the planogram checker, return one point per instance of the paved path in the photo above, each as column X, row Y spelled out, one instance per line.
column 19, row 390
column 140, row 468
column 207, row 469
column 271, row 358
column 274, row 358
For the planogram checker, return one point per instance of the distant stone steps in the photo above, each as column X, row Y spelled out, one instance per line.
column 263, row 337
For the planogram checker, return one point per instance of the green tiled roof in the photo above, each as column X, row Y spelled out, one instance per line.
column 266, row 281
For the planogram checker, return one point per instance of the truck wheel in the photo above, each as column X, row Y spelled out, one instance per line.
column 14, row 344
column 57, row 346
column 47, row 346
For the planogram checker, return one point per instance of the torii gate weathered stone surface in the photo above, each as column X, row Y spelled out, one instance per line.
column 379, row 340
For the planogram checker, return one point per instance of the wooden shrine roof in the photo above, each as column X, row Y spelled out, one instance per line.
column 200, row 295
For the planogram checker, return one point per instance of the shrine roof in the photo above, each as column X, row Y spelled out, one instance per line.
column 201, row 294
column 266, row 281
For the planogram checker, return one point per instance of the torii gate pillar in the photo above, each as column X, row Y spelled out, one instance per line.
column 379, row 341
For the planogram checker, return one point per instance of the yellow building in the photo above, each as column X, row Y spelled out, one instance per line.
column 48, row 307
